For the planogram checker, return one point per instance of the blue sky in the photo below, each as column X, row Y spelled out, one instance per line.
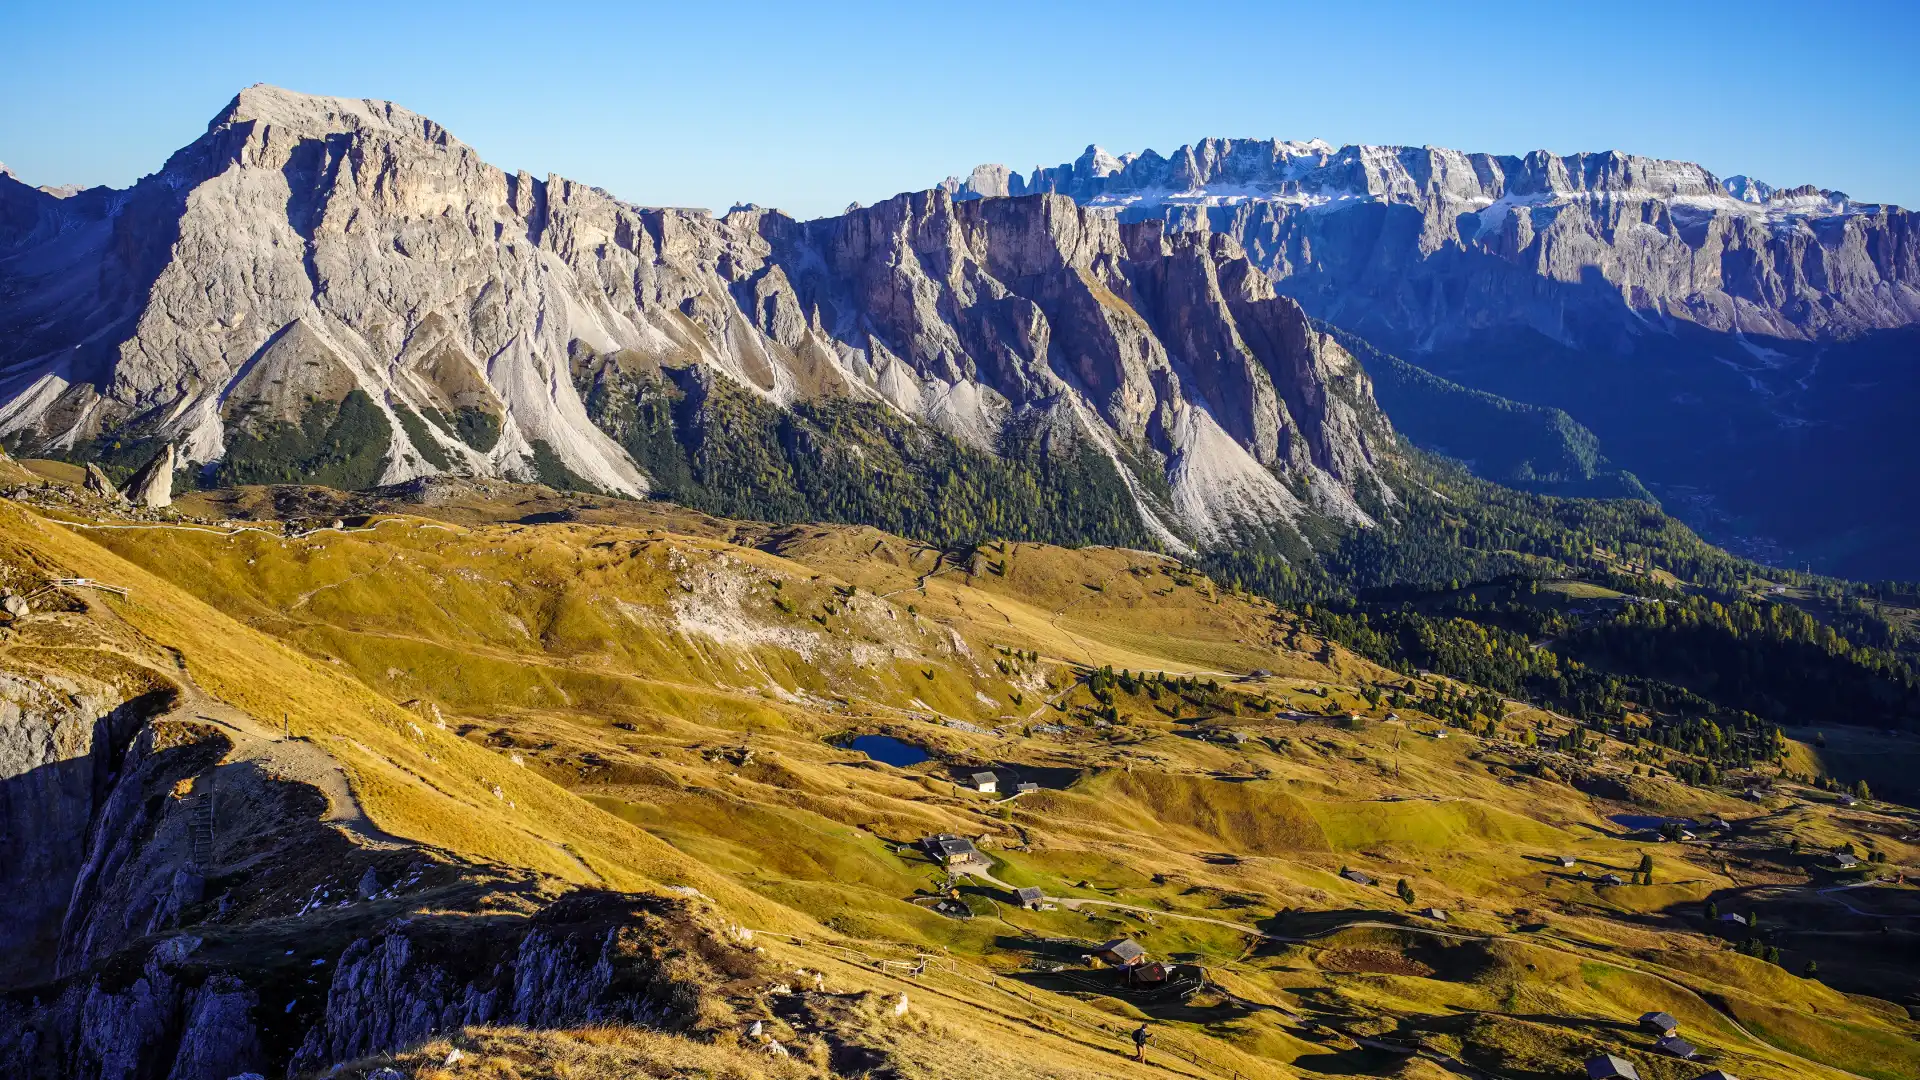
column 809, row 107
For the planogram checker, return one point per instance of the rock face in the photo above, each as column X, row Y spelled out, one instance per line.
column 104, row 913
column 153, row 484
column 60, row 739
column 1424, row 244
column 98, row 484
column 1746, row 351
column 338, row 291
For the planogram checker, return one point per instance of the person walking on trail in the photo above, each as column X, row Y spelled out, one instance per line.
column 1140, row 1037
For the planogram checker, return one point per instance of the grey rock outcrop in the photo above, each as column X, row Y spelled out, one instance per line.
column 313, row 257
column 152, row 486
column 60, row 741
column 133, row 995
column 1420, row 244
column 101, row 487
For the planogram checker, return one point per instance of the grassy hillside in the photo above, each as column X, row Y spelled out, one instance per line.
column 640, row 697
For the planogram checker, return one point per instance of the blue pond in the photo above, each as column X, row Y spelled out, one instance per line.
column 887, row 749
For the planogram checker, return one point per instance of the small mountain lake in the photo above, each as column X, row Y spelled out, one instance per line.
column 887, row 750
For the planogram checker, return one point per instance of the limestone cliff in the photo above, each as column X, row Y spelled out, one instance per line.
column 1423, row 244
column 339, row 291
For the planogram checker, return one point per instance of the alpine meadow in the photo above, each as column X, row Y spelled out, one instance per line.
column 1259, row 610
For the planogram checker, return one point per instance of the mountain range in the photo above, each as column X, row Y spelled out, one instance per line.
column 1746, row 350
column 339, row 290
column 456, row 625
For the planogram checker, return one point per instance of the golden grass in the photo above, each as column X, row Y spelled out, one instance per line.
column 653, row 752
column 595, row 1053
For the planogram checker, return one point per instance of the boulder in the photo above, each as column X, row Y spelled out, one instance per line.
column 98, row 484
column 152, row 486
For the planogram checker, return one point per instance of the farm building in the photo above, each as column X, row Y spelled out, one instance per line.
column 1030, row 897
column 954, row 852
column 984, row 782
column 1357, row 877
column 1122, row 952
column 1568, row 861
column 1659, row 1023
column 1609, row 1067
column 1677, row 1047
column 1147, row 973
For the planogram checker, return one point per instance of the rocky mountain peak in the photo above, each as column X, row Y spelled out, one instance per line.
column 313, row 115
column 336, row 290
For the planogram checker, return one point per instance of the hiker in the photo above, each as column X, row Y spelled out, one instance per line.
column 1140, row 1037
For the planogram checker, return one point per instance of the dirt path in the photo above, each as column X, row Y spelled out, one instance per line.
column 278, row 534
column 290, row 758
column 313, row 592
column 939, row 567
column 294, row 759
column 279, row 754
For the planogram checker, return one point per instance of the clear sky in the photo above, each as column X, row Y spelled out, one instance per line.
column 810, row 106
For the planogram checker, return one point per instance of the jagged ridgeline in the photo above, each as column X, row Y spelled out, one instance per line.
column 339, row 292
column 1743, row 349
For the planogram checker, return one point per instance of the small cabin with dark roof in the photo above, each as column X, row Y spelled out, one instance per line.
column 1609, row 1067
column 1030, row 897
column 1567, row 860
column 1659, row 1023
column 1677, row 1047
column 1357, row 877
column 1122, row 952
column 954, row 852
column 1612, row 879
column 985, row 782
column 1025, row 787
column 1842, row 860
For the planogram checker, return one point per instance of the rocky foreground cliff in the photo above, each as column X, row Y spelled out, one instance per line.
column 338, row 290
